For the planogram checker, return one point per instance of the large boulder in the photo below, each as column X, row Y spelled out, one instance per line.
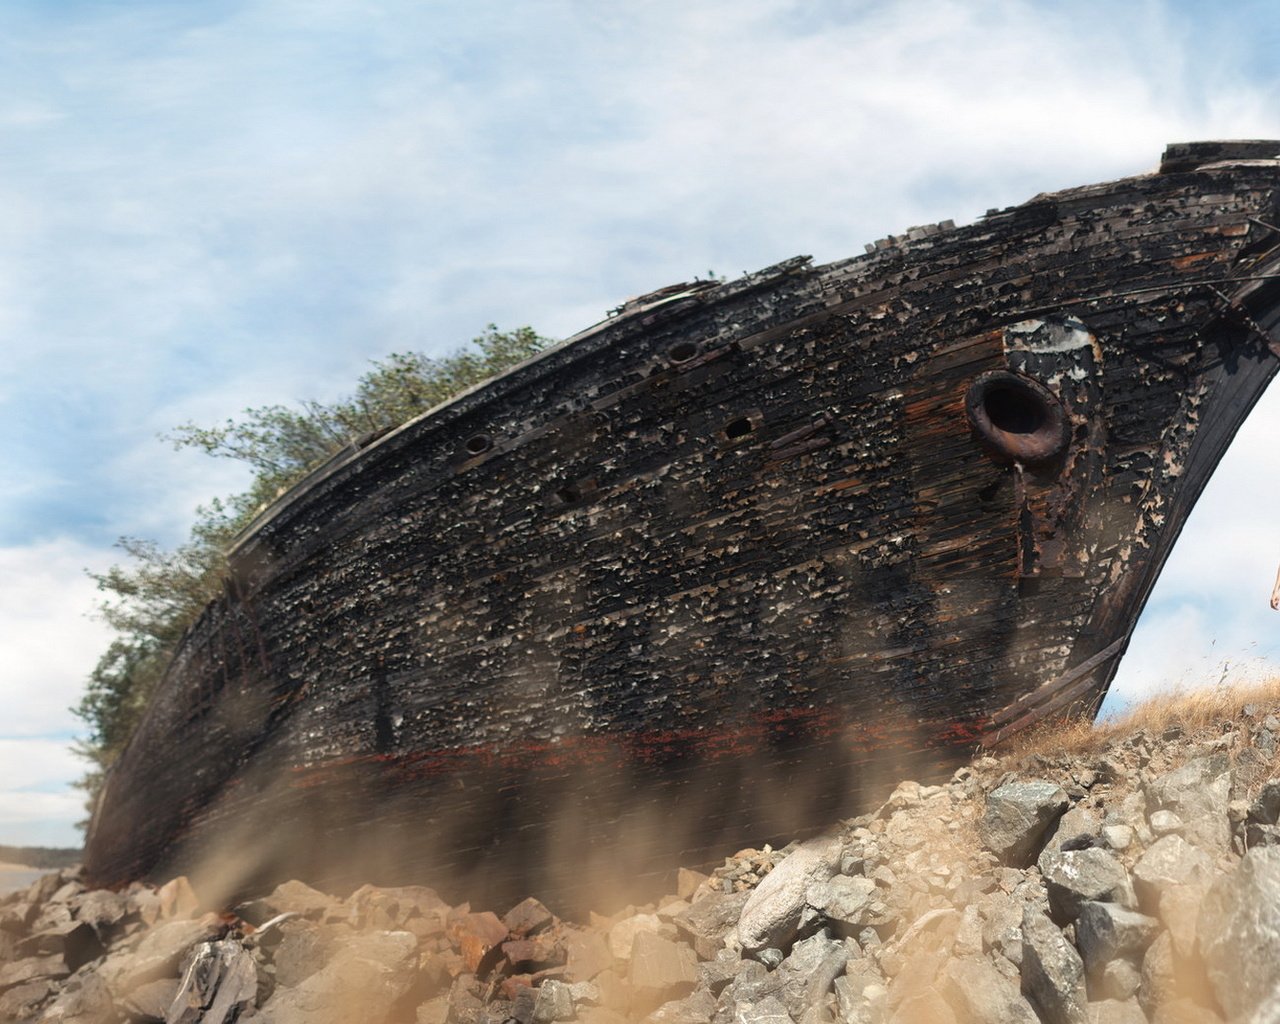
column 772, row 914
column 1239, row 933
column 1018, row 818
column 1169, row 861
column 363, row 981
column 1075, row 877
column 976, row 991
column 1198, row 793
column 1052, row 971
column 1107, row 932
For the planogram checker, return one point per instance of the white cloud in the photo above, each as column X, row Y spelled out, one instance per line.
column 48, row 643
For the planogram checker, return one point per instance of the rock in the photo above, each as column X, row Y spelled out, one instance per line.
column 302, row 948
column 772, row 914
column 1198, row 793
column 1239, row 933
column 1107, row 932
column 586, row 953
column 767, row 1011
column 1076, row 829
column 622, row 935
column 104, row 912
column 31, row 968
column 553, row 1002
column 1164, row 823
column 1189, row 1011
column 1120, row 981
column 1074, row 877
column 85, row 1000
column 697, row 1008
column 363, row 982
column 75, row 941
column 1018, row 818
column 688, row 882
column 527, row 917
column 21, row 1001
column 299, row 898
column 1261, row 835
column 706, row 923
column 533, row 954
column 1115, row 1011
column 1265, row 809
column 158, row 954
column 923, row 1007
column 1052, row 972
column 412, row 908
column 219, row 985
column 177, row 898
column 152, row 1000
column 850, row 903
column 1179, row 909
column 1169, row 861
column 476, row 935
column 661, row 970
column 976, row 991
column 808, row 973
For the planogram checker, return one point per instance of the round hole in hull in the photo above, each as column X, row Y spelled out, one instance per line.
column 682, row 352
column 1017, row 418
column 478, row 444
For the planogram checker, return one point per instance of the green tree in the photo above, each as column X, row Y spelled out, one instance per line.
column 151, row 601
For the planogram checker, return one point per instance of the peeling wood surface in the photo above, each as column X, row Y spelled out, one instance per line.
column 729, row 560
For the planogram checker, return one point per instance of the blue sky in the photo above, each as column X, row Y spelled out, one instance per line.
column 209, row 206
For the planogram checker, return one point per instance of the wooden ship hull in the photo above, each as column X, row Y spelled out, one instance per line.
column 718, row 569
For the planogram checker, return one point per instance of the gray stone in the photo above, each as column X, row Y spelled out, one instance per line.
column 1052, row 972
column 697, row 1008
column 1074, row 877
column 303, row 947
column 810, row 972
column 158, row 955
column 767, row 1011
column 1076, row 829
column 860, row 999
column 31, row 968
column 714, row 975
column 1107, row 932
column 218, row 986
column 772, row 914
column 1116, row 1011
column 1120, row 981
column 21, row 1001
column 1239, row 931
column 706, row 923
column 1265, row 809
column 1190, row 1011
column 1017, row 820
column 851, row 903
column 299, row 898
column 85, row 1000
column 363, row 981
column 1198, row 793
column 1164, row 823
column 553, row 1002
column 1169, row 861
column 976, row 991
column 662, row 970
column 152, row 1000
column 1261, row 835
column 102, row 911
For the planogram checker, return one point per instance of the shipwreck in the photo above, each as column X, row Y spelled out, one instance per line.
column 697, row 575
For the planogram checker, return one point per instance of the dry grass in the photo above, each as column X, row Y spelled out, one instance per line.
column 1193, row 711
